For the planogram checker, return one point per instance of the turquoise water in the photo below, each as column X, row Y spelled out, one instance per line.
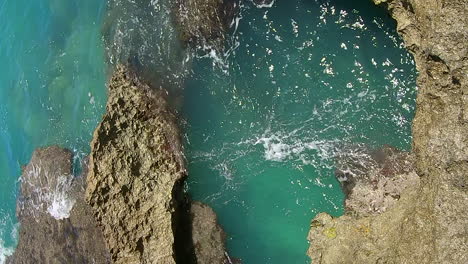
column 305, row 81
column 300, row 83
column 51, row 87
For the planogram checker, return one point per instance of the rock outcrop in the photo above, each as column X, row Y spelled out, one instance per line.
column 134, row 190
column 56, row 223
column 428, row 223
column 207, row 236
column 136, row 170
column 135, row 182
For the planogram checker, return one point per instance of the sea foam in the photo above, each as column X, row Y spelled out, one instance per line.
column 4, row 252
column 52, row 196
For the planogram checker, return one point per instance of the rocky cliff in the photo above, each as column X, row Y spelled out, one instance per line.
column 135, row 172
column 427, row 223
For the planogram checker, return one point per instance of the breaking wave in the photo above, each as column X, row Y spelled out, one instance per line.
column 47, row 194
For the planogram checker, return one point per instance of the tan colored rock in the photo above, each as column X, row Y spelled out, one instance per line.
column 135, row 172
column 428, row 224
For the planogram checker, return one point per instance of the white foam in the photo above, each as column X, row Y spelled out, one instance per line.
column 265, row 5
column 56, row 199
column 60, row 207
column 60, row 202
column 4, row 252
column 280, row 147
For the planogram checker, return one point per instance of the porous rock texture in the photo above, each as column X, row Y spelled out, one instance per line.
column 136, row 171
column 428, row 223
column 43, row 238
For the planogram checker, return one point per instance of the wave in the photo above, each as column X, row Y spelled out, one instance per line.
column 48, row 195
column 5, row 252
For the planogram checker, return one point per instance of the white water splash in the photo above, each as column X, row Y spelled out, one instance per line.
column 265, row 5
column 60, row 202
column 280, row 147
column 4, row 252
column 54, row 199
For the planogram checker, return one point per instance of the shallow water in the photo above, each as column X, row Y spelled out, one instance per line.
column 51, row 87
column 300, row 83
column 305, row 81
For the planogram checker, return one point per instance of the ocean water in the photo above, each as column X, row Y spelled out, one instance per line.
column 301, row 82
column 52, row 88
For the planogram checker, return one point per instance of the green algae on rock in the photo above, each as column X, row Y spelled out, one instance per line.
column 428, row 223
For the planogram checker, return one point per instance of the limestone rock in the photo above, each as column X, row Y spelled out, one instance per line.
column 428, row 224
column 135, row 172
column 207, row 236
column 47, row 185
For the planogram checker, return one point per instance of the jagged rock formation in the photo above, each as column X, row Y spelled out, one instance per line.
column 135, row 180
column 47, row 185
column 135, row 172
column 203, row 23
column 428, row 224
column 133, row 187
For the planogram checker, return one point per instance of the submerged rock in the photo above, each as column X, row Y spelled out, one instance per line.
column 203, row 24
column 56, row 225
column 428, row 223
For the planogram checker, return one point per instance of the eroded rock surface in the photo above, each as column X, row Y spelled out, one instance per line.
column 56, row 224
column 135, row 172
column 428, row 224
